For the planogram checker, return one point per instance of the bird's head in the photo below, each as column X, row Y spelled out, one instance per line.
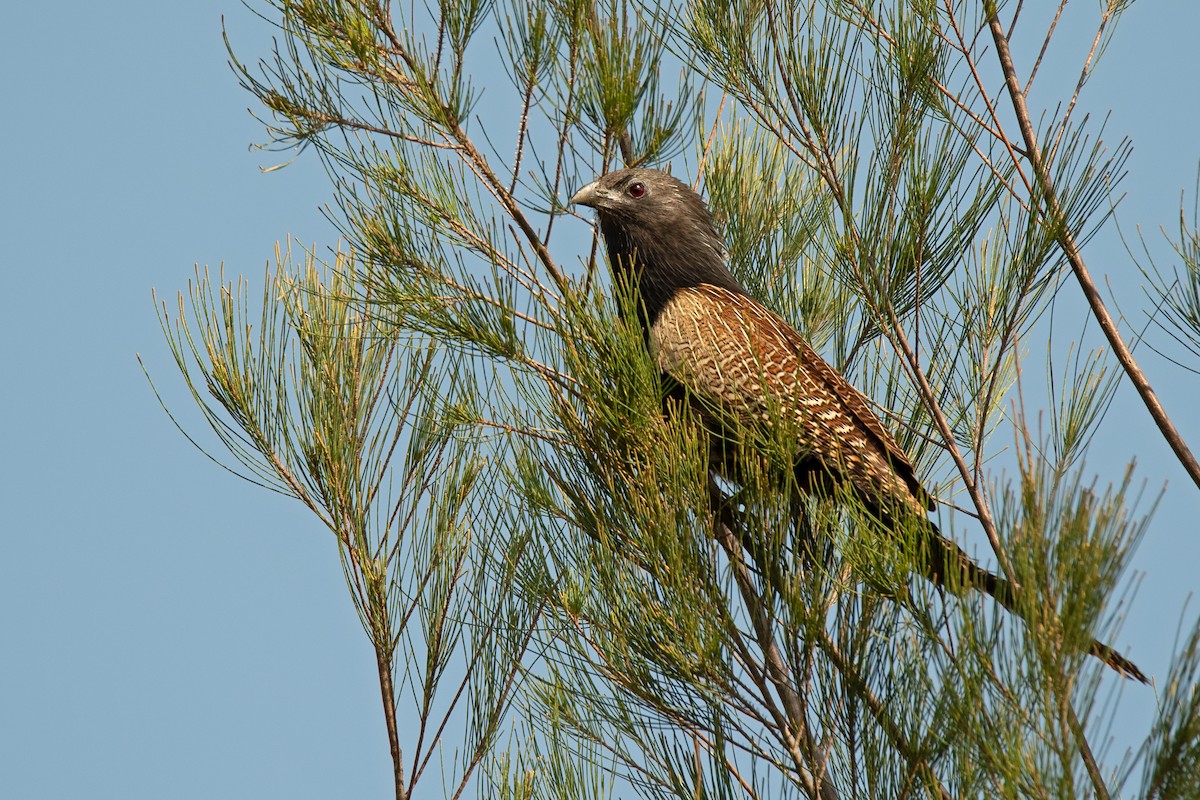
column 659, row 232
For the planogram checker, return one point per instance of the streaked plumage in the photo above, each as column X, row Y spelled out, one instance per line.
column 728, row 349
column 731, row 353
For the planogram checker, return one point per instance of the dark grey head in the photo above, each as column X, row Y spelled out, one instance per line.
column 658, row 232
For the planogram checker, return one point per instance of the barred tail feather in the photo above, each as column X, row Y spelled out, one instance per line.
column 949, row 567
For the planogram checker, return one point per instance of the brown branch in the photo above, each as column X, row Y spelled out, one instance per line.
column 816, row 137
column 1066, row 240
column 383, row 666
column 1085, row 750
column 1084, row 73
column 796, row 728
column 522, row 130
column 1037, row 63
column 879, row 711
column 974, row 489
column 965, row 49
column 452, row 129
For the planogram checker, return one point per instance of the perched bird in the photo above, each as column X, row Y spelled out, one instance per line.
column 728, row 351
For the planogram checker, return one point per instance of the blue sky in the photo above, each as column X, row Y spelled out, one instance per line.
column 167, row 630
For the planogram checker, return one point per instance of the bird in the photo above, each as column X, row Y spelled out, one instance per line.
column 729, row 352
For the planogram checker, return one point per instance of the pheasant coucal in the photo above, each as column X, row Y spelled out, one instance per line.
column 710, row 336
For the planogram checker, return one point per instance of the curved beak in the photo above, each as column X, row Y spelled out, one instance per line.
column 587, row 196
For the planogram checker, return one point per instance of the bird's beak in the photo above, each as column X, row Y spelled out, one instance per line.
column 587, row 196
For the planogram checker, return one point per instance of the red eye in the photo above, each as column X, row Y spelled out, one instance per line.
column 637, row 189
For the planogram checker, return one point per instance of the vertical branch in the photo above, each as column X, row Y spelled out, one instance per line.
column 383, row 665
column 796, row 729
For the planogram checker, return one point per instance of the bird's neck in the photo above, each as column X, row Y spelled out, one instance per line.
column 662, row 266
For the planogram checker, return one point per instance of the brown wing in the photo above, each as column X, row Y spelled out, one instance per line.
column 732, row 351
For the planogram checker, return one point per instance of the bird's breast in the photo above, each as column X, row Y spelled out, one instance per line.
column 709, row 347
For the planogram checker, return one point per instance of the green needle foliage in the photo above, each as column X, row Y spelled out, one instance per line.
column 562, row 601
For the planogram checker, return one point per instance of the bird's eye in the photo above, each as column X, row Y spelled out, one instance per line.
column 637, row 189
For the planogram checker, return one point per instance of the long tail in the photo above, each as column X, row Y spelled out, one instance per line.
column 944, row 558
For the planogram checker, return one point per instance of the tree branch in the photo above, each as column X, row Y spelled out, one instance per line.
column 1066, row 240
